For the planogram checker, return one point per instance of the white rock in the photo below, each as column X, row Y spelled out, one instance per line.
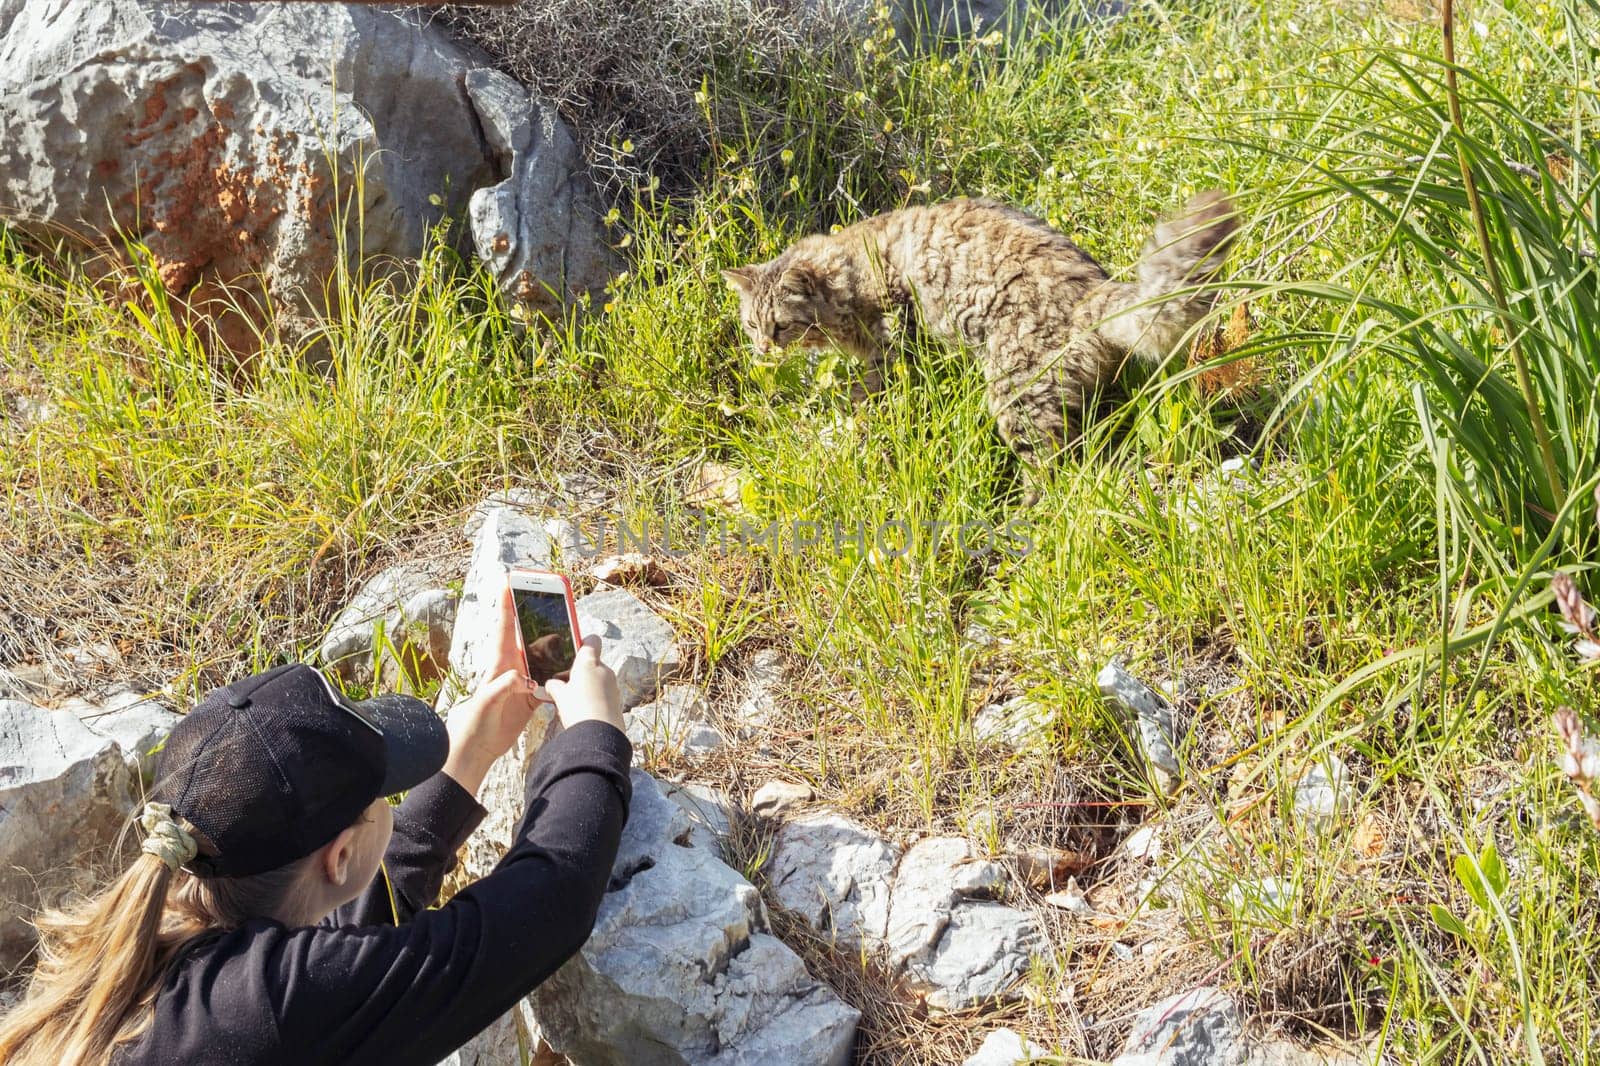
column 404, row 606
column 673, row 723
column 959, row 946
column 572, row 542
column 1152, row 716
column 763, row 680
column 539, row 230
column 1071, row 898
column 711, row 813
column 505, row 538
column 1200, row 1027
column 638, row 644
column 836, row 874
column 1323, row 792
column 138, row 725
column 1268, row 897
column 65, row 796
column 1019, row 722
column 220, row 135
column 1144, row 843
column 775, row 797
column 1005, row 1048
column 681, row 967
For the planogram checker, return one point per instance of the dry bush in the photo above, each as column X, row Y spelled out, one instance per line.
column 620, row 70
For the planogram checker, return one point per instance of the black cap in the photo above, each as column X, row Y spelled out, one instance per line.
column 272, row 767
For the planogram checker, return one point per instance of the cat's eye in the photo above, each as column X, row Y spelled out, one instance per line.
column 776, row 329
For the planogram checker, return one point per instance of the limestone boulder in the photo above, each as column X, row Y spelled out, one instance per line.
column 682, row 968
column 66, row 792
column 397, row 628
column 639, row 645
column 272, row 146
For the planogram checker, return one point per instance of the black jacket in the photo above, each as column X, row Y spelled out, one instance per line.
column 363, row 987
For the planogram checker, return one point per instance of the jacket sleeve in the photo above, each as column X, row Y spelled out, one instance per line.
column 430, row 825
column 415, row 992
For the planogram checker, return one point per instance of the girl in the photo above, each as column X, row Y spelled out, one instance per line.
column 280, row 909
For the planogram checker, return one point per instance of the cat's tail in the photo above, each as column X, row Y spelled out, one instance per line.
column 1149, row 317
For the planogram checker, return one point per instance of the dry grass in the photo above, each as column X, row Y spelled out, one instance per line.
column 628, row 72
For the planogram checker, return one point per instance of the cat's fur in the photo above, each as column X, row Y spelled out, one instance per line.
column 1048, row 323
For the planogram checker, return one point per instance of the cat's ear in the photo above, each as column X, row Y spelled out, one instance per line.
column 741, row 279
column 804, row 280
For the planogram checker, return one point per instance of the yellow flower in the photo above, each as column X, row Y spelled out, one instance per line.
column 787, row 156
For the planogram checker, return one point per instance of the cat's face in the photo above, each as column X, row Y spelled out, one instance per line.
column 784, row 303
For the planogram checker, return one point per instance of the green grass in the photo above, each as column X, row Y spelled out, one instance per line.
column 218, row 520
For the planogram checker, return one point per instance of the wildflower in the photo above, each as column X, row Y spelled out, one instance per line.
column 1581, row 761
column 1577, row 617
column 786, row 156
column 627, row 146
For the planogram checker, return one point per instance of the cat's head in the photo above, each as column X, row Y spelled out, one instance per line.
column 785, row 302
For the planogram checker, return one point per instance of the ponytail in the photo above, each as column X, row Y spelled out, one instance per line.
column 95, row 962
column 102, row 961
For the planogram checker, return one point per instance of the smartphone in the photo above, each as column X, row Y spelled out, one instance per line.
column 547, row 622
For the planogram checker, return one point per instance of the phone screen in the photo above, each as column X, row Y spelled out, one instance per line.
column 546, row 632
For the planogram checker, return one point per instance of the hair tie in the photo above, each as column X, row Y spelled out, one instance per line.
column 165, row 838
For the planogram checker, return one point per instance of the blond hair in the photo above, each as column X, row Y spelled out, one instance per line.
column 103, row 960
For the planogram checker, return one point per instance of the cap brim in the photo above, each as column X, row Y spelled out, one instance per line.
column 414, row 738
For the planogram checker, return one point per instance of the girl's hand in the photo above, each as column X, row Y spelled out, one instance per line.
column 590, row 692
column 485, row 726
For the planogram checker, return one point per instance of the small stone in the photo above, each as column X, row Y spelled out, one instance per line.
column 946, row 934
column 1323, row 792
column 983, row 826
column 1005, row 1048
column 571, row 542
column 674, row 722
column 1200, row 1027
column 400, row 622
column 1269, row 897
column 716, row 484
column 629, row 568
column 764, row 678
column 775, row 797
column 99, row 656
column 1143, row 844
column 1153, row 717
column 65, row 797
column 1070, row 898
column 1019, row 723
column 681, row 967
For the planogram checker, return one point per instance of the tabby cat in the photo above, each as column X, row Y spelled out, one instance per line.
column 1048, row 323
